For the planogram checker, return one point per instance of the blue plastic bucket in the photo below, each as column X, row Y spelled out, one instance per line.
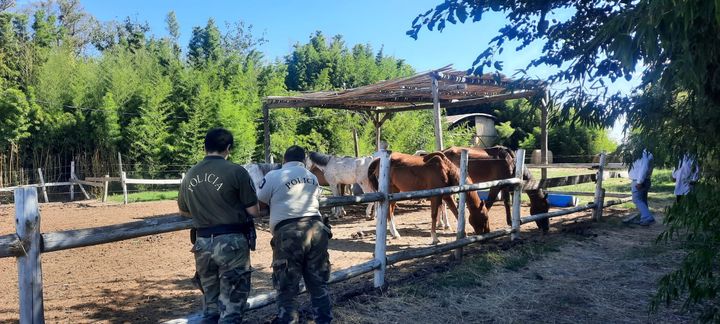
column 556, row 200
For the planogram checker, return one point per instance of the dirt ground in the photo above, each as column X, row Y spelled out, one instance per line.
column 148, row 279
column 593, row 272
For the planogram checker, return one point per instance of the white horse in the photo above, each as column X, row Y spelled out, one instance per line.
column 342, row 170
column 258, row 171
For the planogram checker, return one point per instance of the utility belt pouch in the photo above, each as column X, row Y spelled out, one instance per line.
column 251, row 234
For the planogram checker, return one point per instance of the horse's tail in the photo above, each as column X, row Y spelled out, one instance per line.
column 372, row 176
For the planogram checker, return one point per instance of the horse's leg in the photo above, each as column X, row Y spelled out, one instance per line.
column 435, row 203
column 337, row 211
column 391, row 221
column 492, row 196
column 445, row 221
column 369, row 211
column 451, row 204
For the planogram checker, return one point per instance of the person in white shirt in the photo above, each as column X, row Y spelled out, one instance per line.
column 640, row 173
column 685, row 176
column 300, row 239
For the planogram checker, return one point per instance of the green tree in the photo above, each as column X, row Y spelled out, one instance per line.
column 15, row 122
column 675, row 105
column 106, row 123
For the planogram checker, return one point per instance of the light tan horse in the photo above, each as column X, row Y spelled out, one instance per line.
column 411, row 173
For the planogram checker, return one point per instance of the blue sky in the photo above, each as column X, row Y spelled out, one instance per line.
column 379, row 23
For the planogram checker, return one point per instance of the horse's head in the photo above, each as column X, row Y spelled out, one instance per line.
column 309, row 163
column 256, row 173
column 539, row 205
column 478, row 218
column 317, row 160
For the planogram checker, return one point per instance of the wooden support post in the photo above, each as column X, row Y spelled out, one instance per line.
column 42, row 185
column 517, row 194
column 123, row 182
column 461, row 204
column 599, row 191
column 123, row 176
column 544, row 133
column 74, row 179
column 381, row 219
column 106, row 184
column 378, row 129
column 27, row 222
column 437, row 121
column 266, row 132
column 72, row 184
column 355, row 140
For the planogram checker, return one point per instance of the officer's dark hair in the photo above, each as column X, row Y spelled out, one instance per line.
column 217, row 140
column 294, row 154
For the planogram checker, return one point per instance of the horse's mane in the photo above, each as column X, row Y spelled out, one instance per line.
column 267, row 167
column 319, row 158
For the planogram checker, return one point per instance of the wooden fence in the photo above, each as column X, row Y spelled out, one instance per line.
column 28, row 243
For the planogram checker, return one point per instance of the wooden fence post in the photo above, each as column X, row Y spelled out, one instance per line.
column 599, row 191
column 27, row 222
column 381, row 219
column 106, row 184
column 517, row 194
column 461, row 204
column 123, row 179
column 74, row 178
column 72, row 184
column 42, row 184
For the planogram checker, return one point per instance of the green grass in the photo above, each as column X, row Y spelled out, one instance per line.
column 146, row 196
column 661, row 190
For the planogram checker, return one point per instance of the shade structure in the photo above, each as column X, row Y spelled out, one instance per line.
column 444, row 87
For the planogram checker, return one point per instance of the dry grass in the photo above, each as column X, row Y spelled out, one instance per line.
column 597, row 273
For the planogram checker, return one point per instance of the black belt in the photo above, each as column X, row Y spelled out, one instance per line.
column 297, row 220
column 222, row 229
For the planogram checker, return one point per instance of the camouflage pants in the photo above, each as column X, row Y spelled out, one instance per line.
column 223, row 265
column 301, row 249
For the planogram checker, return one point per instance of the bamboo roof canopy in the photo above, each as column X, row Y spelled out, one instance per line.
column 455, row 89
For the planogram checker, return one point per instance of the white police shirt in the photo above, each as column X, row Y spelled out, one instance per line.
column 687, row 172
column 641, row 169
column 291, row 192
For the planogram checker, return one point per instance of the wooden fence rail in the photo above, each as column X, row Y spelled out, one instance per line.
column 29, row 243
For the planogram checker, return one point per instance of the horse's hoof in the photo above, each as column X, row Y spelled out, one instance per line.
column 435, row 242
column 447, row 227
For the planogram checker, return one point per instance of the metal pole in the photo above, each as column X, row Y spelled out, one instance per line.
column 461, row 204
column 381, row 219
column 599, row 191
column 517, row 194
column 27, row 222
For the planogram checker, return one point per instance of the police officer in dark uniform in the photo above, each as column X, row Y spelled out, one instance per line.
column 300, row 239
column 220, row 197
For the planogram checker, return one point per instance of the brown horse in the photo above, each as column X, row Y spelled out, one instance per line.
column 497, row 163
column 410, row 173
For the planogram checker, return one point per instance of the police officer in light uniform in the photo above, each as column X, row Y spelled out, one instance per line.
column 220, row 197
column 300, row 239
